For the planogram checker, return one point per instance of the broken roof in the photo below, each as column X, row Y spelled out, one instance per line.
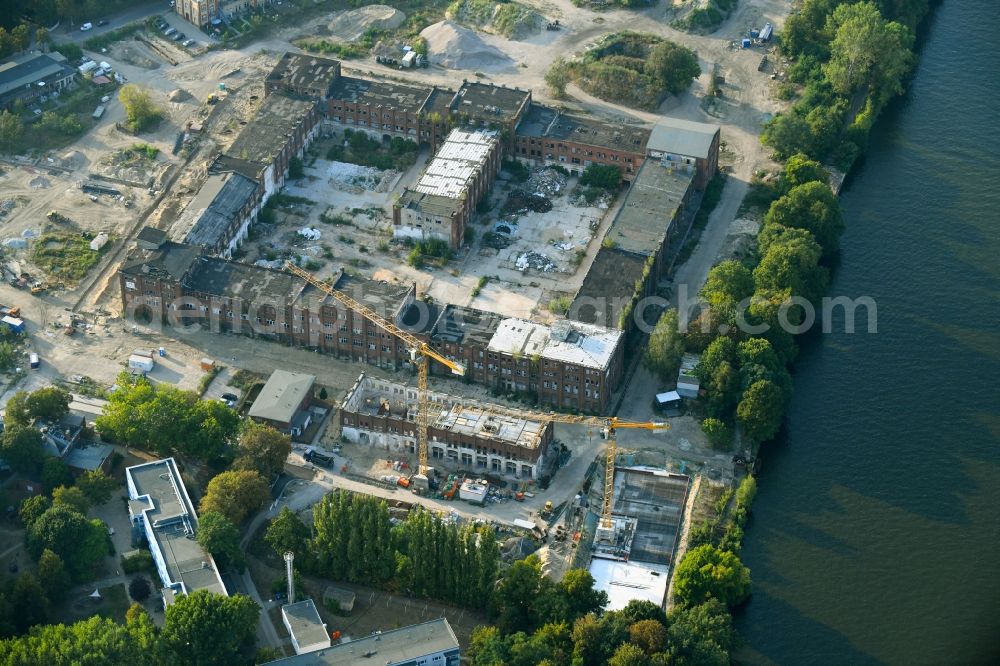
column 281, row 396
column 682, row 137
column 541, row 121
column 650, row 207
column 170, row 261
column 377, row 92
column 464, row 325
column 488, row 101
column 264, row 137
column 253, row 284
column 607, row 288
column 457, row 163
column 301, row 71
column 209, row 217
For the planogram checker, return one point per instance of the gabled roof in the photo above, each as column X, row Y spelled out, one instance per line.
column 281, row 396
column 30, row 68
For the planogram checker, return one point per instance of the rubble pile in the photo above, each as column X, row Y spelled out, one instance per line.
column 520, row 202
column 546, row 182
column 535, row 260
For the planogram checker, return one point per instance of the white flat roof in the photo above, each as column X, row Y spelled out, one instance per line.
column 456, row 163
column 581, row 344
column 625, row 581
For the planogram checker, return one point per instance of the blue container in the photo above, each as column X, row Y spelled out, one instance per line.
column 754, row 34
column 746, row 43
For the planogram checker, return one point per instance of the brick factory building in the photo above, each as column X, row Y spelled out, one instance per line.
column 460, row 434
column 443, row 200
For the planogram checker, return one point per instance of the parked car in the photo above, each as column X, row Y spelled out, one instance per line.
column 86, row 26
column 169, row 31
column 187, row 42
column 178, row 37
column 232, row 397
column 102, row 22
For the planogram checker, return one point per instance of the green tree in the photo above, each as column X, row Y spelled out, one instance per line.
column 707, row 572
column 11, row 129
column 96, row 640
column 728, row 283
column 577, row 587
column 286, row 532
column 16, row 410
column 787, row 134
column 792, row 264
column 799, row 170
column 666, row 346
column 42, row 35
column 72, row 497
column 867, row 51
column 813, row 207
column 557, row 78
column 96, row 486
column 53, row 576
column 220, row 537
column 804, row 32
column 702, row 633
column 32, row 508
column 55, row 473
column 650, row 635
column 517, row 596
column 139, row 589
column 66, row 532
column 29, row 600
column 262, row 448
column 22, row 449
column 605, row 176
column 50, row 403
column 717, row 372
column 674, row 65
column 208, row 629
column 638, row 610
column 591, row 647
column 761, row 410
column 759, row 360
column 20, row 36
column 140, row 110
column 718, row 433
column 628, row 654
column 235, row 495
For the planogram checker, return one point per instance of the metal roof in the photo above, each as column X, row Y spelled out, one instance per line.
column 209, row 217
column 457, row 162
column 281, row 396
column 569, row 342
column 683, row 137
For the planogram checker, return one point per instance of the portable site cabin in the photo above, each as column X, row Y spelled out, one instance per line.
column 668, row 400
column 766, row 32
column 15, row 324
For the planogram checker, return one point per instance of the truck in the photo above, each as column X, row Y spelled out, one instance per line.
column 9, row 311
column 98, row 112
column 409, row 60
column 317, row 458
column 766, row 32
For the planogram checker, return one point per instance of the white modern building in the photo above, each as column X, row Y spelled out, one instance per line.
column 305, row 626
column 161, row 509
column 430, row 643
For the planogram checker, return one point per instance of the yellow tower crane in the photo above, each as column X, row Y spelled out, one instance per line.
column 419, row 350
column 609, row 428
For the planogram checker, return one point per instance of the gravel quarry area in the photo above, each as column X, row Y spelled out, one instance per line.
column 456, row 47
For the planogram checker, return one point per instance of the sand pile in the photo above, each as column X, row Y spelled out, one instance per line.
column 456, row 47
column 351, row 25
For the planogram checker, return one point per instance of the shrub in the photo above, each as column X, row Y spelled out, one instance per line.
column 140, row 562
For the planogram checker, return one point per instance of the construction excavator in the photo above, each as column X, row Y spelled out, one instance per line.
column 420, row 353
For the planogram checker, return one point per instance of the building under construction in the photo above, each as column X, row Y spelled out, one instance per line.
column 461, row 434
column 633, row 559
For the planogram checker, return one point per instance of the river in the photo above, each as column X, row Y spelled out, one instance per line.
column 875, row 536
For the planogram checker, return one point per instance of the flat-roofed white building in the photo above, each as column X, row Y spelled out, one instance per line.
column 430, row 643
column 305, row 626
column 160, row 508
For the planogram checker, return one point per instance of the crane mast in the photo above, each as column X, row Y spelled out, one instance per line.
column 420, row 355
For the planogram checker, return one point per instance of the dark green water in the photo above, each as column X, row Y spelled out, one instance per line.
column 875, row 535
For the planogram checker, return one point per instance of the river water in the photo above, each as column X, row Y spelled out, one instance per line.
column 875, row 536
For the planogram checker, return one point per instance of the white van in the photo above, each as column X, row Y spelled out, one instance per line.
column 33, row 361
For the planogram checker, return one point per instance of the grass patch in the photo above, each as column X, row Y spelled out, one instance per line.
column 207, row 378
column 505, row 18
column 328, row 47
column 483, row 280
column 64, row 255
column 98, row 42
column 361, row 149
column 433, row 250
column 631, row 68
column 709, row 200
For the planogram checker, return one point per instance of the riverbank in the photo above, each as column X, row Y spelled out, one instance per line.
column 846, row 65
column 876, row 514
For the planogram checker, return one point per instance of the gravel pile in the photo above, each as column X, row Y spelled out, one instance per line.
column 351, row 26
column 456, row 47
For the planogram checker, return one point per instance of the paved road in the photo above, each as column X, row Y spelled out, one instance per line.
column 71, row 33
